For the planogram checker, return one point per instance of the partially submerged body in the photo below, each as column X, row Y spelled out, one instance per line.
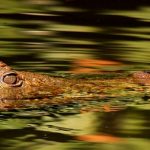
column 22, row 89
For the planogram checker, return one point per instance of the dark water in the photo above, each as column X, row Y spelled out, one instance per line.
column 49, row 36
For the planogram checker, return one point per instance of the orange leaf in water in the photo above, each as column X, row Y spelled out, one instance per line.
column 95, row 62
column 99, row 138
column 86, row 65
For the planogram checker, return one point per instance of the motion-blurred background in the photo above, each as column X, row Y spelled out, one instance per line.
column 75, row 35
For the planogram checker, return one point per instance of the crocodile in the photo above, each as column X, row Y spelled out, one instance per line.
column 20, row 89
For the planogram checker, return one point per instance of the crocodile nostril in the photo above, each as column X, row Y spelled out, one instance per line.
column 148, row 71
column 142, row 77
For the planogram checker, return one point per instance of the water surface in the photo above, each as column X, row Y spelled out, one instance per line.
column 51, row 36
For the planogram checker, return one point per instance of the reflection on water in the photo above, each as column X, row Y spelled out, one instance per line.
column 50, row 34
column 40, row 129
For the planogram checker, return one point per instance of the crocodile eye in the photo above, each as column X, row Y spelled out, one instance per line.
column 11, row 79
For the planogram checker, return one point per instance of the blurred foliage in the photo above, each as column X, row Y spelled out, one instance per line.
column 56, row 33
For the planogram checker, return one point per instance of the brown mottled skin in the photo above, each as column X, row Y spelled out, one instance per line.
column 32, row 85
column 19, row 88
column 142, row 77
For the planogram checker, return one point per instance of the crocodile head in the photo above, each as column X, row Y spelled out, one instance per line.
column 17, row 85
column 23, row 88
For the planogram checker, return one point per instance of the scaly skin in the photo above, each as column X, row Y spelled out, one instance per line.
column 22, row 89
column 142, row 77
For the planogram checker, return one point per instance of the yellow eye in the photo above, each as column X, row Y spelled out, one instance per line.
column 12, row 79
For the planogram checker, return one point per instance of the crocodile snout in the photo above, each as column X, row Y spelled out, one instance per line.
column 142, row 77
